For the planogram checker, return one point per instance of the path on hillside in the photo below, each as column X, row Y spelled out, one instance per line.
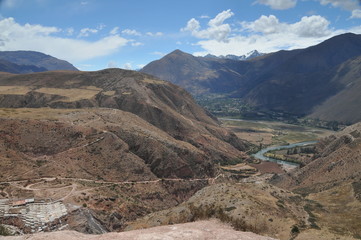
column 107, row 183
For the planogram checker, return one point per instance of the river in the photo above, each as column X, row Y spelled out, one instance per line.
column 260, row 155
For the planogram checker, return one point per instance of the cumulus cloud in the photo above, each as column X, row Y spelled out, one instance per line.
column 217, row 29
column 40, row 38
column 309, row 26
column 312, row 26
column 278, row 4
column 266, row 25
column 269, row 34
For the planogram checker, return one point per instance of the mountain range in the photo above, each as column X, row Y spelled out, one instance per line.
column 127, row 150
column 302, row 82
column 30, row 61
column 248, row 56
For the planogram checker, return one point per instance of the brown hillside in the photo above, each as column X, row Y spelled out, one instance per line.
column 160, row 103
column 105, row 144
column 337, row 160
column 257, row 207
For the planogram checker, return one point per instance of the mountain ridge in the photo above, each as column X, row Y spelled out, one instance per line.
column 293, row 82
column 31, row 58
column 162, row 104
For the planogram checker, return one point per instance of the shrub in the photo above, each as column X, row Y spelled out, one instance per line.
column 4, row 231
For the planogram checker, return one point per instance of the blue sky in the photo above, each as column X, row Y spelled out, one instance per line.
column 97, row 34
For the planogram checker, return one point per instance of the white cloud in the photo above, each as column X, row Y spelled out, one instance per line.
column 128, row 66
column 14, row 36
column 269, row 34
column 192, row 26
column 309, row 26
column 278, row 4
column 157, row 34
column 356, row 13
column 312, row 26
column 204, row 17
column 216, row 28
column 114, row 31
column 85, row 32
column 136, row 44
column 131, row 32
column 266, row 25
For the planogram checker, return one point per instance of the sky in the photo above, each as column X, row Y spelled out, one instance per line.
column 98, row 34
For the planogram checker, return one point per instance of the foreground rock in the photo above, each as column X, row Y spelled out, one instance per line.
column 197, row 230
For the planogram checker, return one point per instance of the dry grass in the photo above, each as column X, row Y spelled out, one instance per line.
column 109, row 93
column 72, row 94
column 339, row 211
column 33, row 113
column 153, row 81
column 16, row 90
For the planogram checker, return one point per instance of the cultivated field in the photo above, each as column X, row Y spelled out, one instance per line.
column 273, row 133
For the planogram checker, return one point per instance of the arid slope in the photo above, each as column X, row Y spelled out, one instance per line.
column 160, row 103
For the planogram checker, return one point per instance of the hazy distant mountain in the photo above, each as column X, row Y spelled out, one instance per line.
column 40, row 60
column 294, row 81
column 6, row 66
